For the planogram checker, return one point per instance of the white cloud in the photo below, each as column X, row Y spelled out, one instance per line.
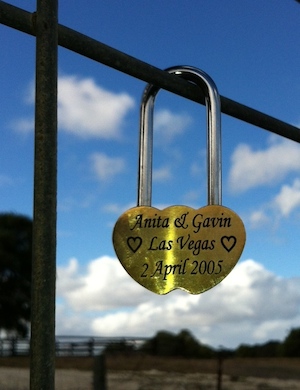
column 251, row 168
column 5, row 181
column 24, row 125
column 68, row 279
column 118, row 209
column 251, row 305
column 162, row 174
column 168, row 125
column 85, row 109
column 196, row 169
column 88, row 110
column 288, row 198
column 106, row 167
column 259, row 218
column 192, row 198
column 105, row 286
column 281, row 205
column 68, row 204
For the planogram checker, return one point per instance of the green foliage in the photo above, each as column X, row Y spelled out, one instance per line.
column 269, row 349
column 15, row 272
column 119, row 347
column 290, row 347
column 183, row 344
column 291, row 344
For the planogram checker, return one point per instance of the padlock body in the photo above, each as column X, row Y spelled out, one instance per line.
column 179, row 247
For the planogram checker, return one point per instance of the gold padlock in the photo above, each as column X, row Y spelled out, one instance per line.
column 180, row 247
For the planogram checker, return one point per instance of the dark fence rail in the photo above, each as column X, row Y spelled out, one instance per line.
column 24, row 21
column 72, row 345
column 14, row 347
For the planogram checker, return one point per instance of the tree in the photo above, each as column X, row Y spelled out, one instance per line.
column 183, row 344
column 162, row 344
column 271, row 348
column 188, row 346
column 291, row 344
column 119, row 347
column 15, row 273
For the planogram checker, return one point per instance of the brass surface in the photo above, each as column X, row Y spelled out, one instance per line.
column 179, row 247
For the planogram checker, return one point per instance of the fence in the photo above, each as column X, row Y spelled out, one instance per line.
column 43, row 24
column 14, row 347
column 71, row 345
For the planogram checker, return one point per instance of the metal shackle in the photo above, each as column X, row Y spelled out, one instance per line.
column 213, row 114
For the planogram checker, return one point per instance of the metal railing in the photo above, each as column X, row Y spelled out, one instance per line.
column 72, row 345
column 49, row 34
column 88, row 47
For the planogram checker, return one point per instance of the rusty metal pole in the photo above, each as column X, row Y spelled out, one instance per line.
column 42, row 364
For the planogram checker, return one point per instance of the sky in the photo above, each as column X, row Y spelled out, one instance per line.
column 251, row 50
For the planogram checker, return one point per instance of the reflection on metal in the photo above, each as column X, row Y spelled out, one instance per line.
column 180, row 247
column 213, row 109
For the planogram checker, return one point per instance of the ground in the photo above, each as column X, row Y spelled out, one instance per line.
column 149, row 373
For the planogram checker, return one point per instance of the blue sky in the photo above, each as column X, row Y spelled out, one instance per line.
column 251, row 50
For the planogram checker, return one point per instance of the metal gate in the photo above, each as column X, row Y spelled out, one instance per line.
column 49, row 34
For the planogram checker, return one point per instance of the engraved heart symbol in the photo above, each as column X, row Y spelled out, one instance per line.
column 228, row 242
column 179, row 247
column 134, row 243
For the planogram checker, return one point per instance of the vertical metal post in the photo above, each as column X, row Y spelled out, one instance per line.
column 99, row 377
column 42, row 365
column 220, row 369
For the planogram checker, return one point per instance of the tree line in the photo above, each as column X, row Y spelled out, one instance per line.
column 185, row 345
column 289, row 347
column 15, row 305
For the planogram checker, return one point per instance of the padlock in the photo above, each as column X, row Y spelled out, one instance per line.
column 180, row 247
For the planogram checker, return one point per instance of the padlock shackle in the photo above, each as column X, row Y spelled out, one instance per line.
column 213, row 112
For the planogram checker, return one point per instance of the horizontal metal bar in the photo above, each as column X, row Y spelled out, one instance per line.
column 73, row 40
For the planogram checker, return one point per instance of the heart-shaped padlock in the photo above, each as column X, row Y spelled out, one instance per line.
column 180, row 247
